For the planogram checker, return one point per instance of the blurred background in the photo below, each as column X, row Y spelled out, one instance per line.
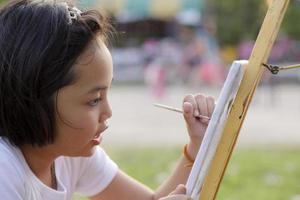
column 164, row 49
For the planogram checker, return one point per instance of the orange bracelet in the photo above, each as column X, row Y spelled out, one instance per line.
column 188, row 157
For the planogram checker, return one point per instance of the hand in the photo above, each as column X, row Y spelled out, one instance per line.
column 193, row 106
column 177, row 194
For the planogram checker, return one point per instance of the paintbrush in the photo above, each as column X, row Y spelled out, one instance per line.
column 178, row 110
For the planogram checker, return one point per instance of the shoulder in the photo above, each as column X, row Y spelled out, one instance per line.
column 89, row 174
column 12, row 178
column 10, row 158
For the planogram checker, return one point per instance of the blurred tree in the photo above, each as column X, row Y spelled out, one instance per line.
column 237, row 20
column 291, row 20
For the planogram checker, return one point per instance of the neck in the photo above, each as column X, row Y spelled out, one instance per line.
column 40, row 160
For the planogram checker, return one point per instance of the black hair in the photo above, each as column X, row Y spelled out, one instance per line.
column 40, row 41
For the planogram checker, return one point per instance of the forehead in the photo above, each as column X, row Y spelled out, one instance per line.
column 94, row 65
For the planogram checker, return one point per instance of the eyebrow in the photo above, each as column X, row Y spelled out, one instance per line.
column 98, row 88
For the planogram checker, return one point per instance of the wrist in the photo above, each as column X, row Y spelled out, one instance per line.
column 190, row 160
column 192, row 149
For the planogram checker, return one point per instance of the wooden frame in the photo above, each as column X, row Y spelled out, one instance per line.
column 252, row 76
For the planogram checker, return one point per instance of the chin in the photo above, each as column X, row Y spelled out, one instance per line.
column 85, row 152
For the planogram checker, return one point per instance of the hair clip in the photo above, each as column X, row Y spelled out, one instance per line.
column 73, row 13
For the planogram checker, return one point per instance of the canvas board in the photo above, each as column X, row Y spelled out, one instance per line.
column 215, row 129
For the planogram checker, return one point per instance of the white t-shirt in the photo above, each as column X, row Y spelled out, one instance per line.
column 87, row 176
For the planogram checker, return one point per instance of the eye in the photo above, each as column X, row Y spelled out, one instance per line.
column 94, row 102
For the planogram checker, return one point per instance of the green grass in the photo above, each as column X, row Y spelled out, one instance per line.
column 251, row 174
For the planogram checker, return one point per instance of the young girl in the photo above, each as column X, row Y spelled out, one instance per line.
column 55, row 73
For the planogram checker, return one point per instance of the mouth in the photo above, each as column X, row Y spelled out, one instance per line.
column 98, row 134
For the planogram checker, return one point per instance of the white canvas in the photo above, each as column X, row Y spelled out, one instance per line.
column 215, row 129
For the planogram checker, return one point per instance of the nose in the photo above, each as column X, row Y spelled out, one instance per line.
column 106, row 112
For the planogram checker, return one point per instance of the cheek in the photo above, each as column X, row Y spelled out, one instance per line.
column 78, row 126
column 84, row 119
column 80, row 117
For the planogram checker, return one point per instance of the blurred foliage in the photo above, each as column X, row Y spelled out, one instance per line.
column 239, row 20
column 258, row 174
column 2, row 1
column 291, row 20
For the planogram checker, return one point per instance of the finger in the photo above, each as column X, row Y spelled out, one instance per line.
column 180, row 189
column 210, row 105
column 202, row 106
column 187, row 111
column 176, row 197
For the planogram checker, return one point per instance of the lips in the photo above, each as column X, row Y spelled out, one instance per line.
column 101, row 131
column 97, row 138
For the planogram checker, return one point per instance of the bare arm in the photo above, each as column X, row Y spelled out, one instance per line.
column 125, row 187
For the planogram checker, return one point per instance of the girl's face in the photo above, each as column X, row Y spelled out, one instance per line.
column 83, row 108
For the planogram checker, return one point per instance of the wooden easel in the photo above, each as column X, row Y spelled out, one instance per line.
column 252, row 76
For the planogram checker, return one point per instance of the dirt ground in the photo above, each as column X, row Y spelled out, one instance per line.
column 273, row 119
